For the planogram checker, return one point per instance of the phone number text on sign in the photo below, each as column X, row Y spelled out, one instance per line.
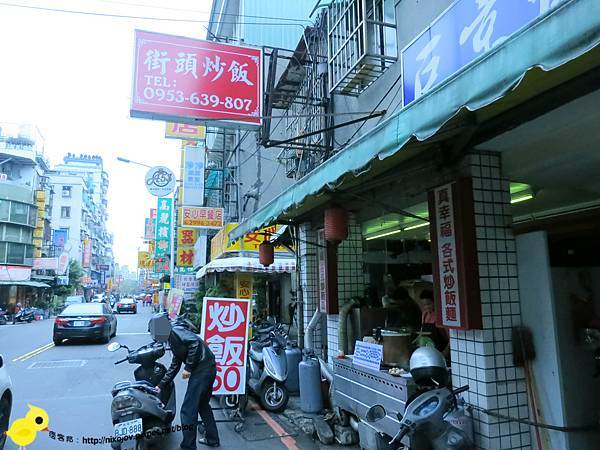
column 187, row 80
column 225, row 331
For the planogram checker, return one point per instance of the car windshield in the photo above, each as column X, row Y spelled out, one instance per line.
column 82, row 309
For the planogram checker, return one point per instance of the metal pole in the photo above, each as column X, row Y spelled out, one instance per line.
column 173, row 231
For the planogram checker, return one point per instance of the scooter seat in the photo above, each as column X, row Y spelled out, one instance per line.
column 256, row 355
column 142, row 385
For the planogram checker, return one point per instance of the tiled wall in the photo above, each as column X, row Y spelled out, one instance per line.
column 483, row 358
column 309, row 279
column 351, row 280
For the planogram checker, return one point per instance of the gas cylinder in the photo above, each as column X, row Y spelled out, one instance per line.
column 293, row 355
column 311, row 399
column 461, row 418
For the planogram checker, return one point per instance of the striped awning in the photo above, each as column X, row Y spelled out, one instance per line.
column 247, row 264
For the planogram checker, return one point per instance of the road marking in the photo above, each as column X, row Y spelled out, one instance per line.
column 33, row 353
column 61, row 364
column 284, row 436
column 134, row 334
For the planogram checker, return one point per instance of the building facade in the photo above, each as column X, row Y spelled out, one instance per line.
column 24, row 210
column 458, row 105
column 81, row 208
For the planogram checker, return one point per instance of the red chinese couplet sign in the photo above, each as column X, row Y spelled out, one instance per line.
column 225, row 331
column 455, row 269
column 187, row 80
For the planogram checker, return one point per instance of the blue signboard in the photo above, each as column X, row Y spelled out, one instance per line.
column 59, row 239
column 466, row 30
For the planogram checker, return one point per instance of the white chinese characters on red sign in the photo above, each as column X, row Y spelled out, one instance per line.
column 448, row 269
column 183, row 79
column 225, row 331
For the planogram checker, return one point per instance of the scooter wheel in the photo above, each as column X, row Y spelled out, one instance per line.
column 274, row 396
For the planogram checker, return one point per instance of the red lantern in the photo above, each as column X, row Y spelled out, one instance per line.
column 336, row 224
column 266, row 253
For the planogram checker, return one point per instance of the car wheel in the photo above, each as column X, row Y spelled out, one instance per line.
column 106, row 338
column 4, row 420
column 114, row 332
column 57, row 341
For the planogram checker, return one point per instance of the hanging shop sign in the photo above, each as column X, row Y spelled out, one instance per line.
column 174, row 301
column 455, row 269
column 185, row 257
column 160, row 181
column 225, row 330
column 163, row 227
column 162, row 265
column 185, row 80
column 15, row 273
column 87, row 253
column 221, row 244
column 186, row 239
column 145, row 260
column 185, row 131
column 187, row 236
column 59, row 238
column 148, row 228
column 193, row 176
column 63, row 264
column 201, row 217
column 187, row 283
column 243, row 285
column 45, row 263
column 152, row 213
column 200, row 251
column 463, row 32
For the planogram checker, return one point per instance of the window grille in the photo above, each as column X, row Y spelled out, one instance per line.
column 362, row 43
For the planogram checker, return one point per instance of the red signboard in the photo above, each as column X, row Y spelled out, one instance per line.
column 189, row 80
column 225, row 331
column 455, row 270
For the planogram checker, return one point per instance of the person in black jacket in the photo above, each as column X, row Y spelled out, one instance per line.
column 199, row 368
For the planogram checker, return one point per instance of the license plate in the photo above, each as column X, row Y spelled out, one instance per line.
column 129, row 428
column 79, row 323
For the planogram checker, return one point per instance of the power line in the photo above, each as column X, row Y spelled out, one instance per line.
column 127, row 16
column 168, row 8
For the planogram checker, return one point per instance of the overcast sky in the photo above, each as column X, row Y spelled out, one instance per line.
column 71, row 74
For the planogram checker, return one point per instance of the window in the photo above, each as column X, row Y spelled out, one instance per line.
column 15, row 254
column 66, row 191
column 19, row 213
column 2, row 252
column 361, row 36
column 4, row 209
column 65, row 212
column 12, row 233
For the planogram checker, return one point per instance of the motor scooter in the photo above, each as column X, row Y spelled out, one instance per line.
column 25, row 315
column 140, row 413
column 424, row 421
column 267, row 367
column 4, row 317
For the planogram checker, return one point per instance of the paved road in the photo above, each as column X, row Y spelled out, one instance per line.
column 73, row 383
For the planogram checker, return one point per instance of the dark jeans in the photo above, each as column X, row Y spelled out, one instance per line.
column 197, row 401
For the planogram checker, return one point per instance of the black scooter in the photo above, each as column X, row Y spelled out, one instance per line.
column 139, row 412
column 25, row 315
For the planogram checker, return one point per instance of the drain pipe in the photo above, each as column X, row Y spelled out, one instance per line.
column 343, row 325
column 309, row 339
column 325, row 372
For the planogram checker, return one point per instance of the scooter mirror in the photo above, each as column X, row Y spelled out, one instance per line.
column 375, row 413
column 113, row 347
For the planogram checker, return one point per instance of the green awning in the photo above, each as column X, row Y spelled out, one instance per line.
column 511, row 73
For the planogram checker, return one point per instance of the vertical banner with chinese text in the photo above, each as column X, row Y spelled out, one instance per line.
column 454, row 247
column 163, row 227
column 186, row 238
column 87, row 253
column 225, row 331
column 175, row 300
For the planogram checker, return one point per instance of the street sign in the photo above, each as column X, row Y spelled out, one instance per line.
column 185, row 80
column 160, row 181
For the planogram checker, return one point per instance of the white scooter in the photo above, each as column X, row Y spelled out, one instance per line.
column 267, row 367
